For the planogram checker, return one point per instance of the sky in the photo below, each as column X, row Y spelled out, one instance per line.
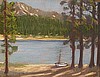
column 46, row 5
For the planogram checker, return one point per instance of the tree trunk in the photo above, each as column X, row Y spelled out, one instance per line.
column 92, row 64
column 6, row 40
column 73, row 52
column 92, row 52
column 98, row 49
column 80, row 65
column 72, row 38
column 98, row 52
column 81, row 52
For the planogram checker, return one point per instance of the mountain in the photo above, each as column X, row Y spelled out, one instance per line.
column 24, row 9
column 1, row 1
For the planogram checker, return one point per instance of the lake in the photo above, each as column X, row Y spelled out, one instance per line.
column 46, row 5
column 44, row 52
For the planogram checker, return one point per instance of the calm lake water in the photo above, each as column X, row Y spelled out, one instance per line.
column 46, row 5
column 43, row 52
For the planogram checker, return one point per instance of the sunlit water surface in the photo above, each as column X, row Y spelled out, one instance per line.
column 44, row 52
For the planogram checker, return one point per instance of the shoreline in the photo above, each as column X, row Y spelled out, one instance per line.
column 39, row 39
column 49, row 70
column 36, row 38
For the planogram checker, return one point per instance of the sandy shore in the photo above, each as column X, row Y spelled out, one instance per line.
column 49, row 70
column 30, row 38
column 36, row 38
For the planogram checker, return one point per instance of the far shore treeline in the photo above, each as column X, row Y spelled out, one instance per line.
column 33, row 25
column 38, row 25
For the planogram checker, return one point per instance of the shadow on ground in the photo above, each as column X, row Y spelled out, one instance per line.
column 55, row 72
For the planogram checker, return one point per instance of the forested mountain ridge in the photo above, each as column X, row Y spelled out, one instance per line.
column 34, row 25
column 37, row 22
column 24, row 9
column 30, row 21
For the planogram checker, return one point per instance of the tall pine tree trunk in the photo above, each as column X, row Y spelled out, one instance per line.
column 98, row 49
column 6, row 39
column 92, row 52
column 81, row 38
column 92, row 64
column 80, row 65
column 72, row 41
column 72, row 38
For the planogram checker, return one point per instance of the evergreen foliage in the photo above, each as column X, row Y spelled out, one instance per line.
column 38, row 25
column 11, row 21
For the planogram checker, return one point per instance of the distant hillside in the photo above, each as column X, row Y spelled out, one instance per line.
column 42, row 26
column 1, row 1
column 24, row 9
